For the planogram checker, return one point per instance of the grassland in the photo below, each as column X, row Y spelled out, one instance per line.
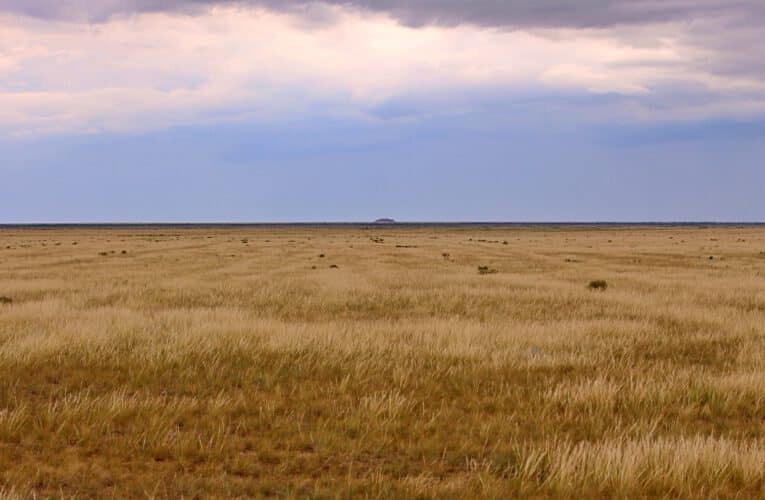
column 167, row 362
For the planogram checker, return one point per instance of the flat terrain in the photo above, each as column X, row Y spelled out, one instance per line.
column 169, row 362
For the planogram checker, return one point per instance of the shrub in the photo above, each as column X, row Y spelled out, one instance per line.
column 6, row 300
column 597, row 285
column 486, row 270
column 333, row 266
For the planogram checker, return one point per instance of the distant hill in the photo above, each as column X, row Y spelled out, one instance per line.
column 385, row 221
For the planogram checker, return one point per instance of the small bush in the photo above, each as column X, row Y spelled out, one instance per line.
column 321, row 256
column 103, row 254
column 597, row 285
column 486, row 270
column 6, row 300
column 333, row 266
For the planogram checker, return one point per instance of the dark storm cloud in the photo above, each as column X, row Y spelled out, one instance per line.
column 493, row 13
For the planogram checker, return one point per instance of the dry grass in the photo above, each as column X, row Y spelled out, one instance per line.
column 165, row 362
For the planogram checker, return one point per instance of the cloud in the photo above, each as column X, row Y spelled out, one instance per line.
column 157, row 69
column 725, row 29
column 493, row 13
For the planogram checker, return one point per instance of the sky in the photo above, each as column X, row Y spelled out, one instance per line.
column 353, row 110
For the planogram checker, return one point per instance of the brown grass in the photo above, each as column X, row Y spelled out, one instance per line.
column 192, row 364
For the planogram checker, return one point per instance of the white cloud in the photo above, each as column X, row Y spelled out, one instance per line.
column 155, row 70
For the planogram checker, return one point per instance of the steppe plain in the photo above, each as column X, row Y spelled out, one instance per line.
column 376, row 360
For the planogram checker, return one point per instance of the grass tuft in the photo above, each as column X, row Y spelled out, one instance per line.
column 597, row 285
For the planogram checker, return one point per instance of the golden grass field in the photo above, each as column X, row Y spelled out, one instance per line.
column 235, row 362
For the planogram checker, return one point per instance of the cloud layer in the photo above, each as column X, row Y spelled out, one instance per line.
column 494, row 13
column 77, row 65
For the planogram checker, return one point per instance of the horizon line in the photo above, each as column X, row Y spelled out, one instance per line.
column 4, row 225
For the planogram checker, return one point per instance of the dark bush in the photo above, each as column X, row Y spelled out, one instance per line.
column 597, row 285
column 486, row 270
